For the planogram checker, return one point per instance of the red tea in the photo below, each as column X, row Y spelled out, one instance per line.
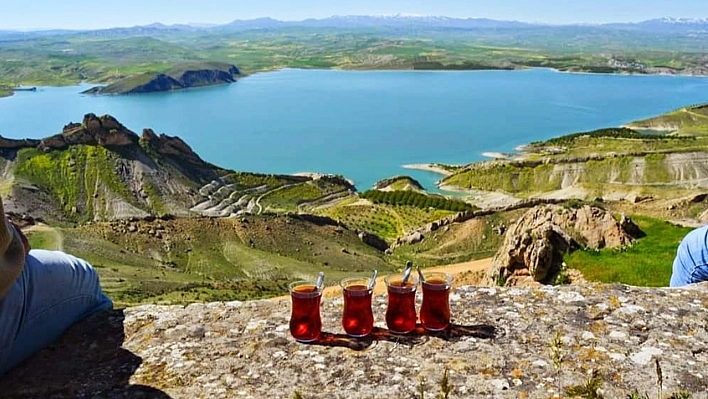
column 400, row 314
column 305, row 322
column 358, row 319
column 435, row 310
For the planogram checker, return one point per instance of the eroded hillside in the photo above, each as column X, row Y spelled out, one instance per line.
column 608, row 164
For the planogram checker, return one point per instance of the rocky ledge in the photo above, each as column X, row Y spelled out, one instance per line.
column 506, row 343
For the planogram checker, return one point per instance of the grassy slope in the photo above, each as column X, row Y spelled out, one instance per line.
column 212, row 260
column 74, row 177
column 609, row 143
column 287, row 198
column 472, row 240
column 691, row 121
column 401, row 183
column 387, row 221
column 596, row 176
column 647, row 262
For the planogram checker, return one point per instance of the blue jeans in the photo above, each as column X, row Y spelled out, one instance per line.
column 54, row 291
column 691, row 263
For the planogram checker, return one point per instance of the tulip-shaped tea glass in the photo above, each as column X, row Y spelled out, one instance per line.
column 358, row 318
column 400, row 314
column 435, row 311
column 305, row 321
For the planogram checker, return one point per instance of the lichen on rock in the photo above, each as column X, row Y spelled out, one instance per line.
column 499, row 348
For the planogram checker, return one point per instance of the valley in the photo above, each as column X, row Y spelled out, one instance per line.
column 161, row 225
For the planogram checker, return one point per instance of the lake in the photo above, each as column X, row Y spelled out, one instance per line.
column 364, row 125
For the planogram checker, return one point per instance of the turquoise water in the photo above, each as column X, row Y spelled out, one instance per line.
column 365, row 125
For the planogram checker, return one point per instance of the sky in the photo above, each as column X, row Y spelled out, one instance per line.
column 94, row 14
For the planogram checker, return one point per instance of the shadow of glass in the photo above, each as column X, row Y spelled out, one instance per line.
column 88, row 361
column 416, row 337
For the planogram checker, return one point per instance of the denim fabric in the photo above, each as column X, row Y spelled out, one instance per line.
column 54, row 291
column 691, row 263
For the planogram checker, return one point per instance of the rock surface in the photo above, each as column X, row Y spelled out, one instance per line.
column 498, row 348
column 105, row 131
column 534, row 247
column 373, row 240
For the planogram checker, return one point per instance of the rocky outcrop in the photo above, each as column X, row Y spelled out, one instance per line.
column 11, row 144
column 170, row 146
column 138, row 177
column 534, row 247
column 105, row 131
column 373, row 240
column 205, row 77
column 500, row 347
column 462, row 217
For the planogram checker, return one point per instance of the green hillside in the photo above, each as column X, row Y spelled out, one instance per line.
column 688, row 121
column 603, row 162
column 202, row 259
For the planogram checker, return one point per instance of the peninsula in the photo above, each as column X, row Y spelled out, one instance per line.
column 182, row 77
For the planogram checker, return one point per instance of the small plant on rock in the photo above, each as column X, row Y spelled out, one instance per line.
column 562, row 278
column 636, row 395
column 421, row 388
column 445, row 387
column 659, row 379
column 590, row 390
column 557, row 356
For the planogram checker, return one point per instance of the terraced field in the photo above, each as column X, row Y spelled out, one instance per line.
column 387, row 221
column 289, row 198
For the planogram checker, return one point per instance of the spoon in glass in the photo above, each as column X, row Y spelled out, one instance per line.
column 407, row 272
column 320, row 281
column 372, row 282
column 420, row 273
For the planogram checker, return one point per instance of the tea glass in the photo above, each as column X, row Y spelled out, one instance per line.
column 305, row 321
column 358, row 318
column 435, row 310
column 400, row 313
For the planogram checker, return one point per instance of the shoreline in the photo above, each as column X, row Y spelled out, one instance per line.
column 338, row 69
column 496, row 155
column 428, row 167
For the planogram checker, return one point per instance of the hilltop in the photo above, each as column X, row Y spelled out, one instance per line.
column 100, row 170
column 177, row 78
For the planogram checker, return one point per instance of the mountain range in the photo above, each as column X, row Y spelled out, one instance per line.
column 665, row 25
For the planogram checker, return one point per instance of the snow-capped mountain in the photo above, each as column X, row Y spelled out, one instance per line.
column 369, row 21
column 403, row 22
column 667, row 25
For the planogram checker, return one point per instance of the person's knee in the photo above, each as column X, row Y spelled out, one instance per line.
column 74, row 276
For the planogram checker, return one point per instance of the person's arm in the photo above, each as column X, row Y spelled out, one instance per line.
column 13, row 247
